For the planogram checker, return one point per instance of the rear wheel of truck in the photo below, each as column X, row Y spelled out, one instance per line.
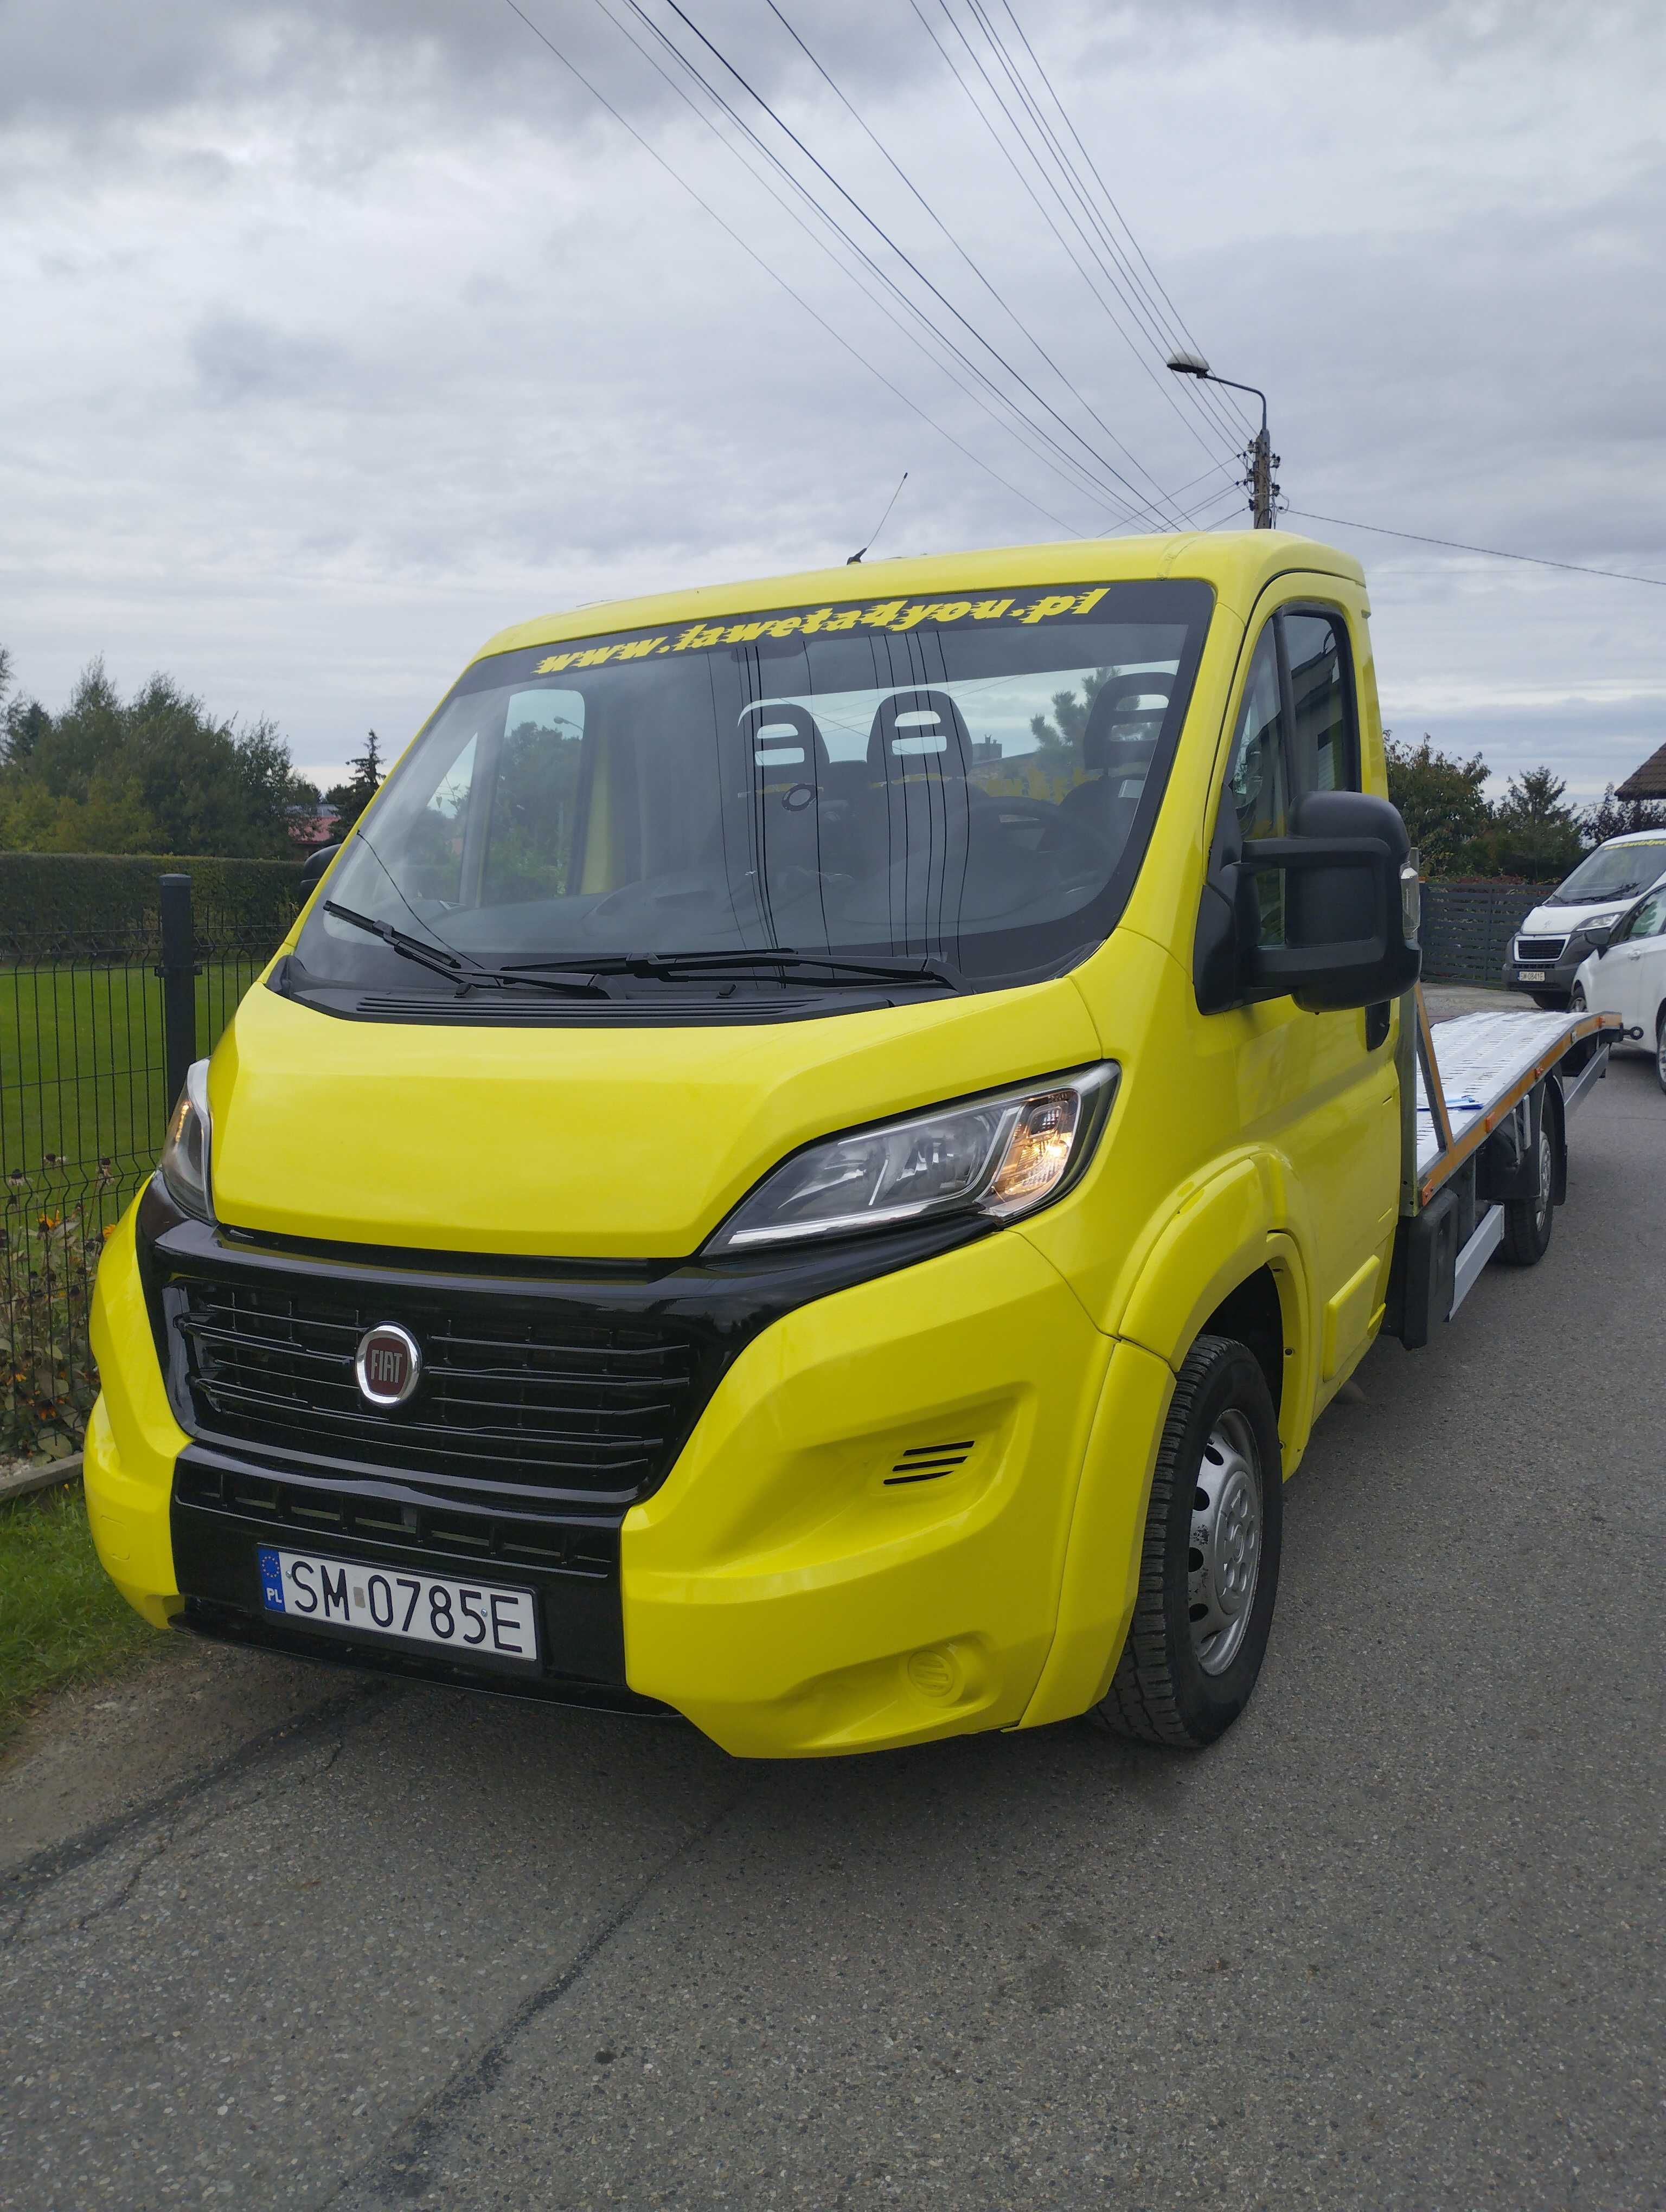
column 1528, row 1221
column 1209, row 1565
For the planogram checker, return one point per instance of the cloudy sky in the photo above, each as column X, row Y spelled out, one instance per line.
column 337, row 336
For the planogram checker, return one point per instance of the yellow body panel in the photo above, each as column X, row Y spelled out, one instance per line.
column 776, row 1588
column 132, row 1438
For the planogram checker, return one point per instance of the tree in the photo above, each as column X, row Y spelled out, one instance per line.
column 1441, row 800
column 22, row 720
column 156, row 773
column 1535, row 833
column 1614, row 817
column 351, row 799
column 1059, row 742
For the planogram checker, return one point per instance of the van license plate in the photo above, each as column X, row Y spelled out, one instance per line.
column 481, row 1618
column 1530, row 975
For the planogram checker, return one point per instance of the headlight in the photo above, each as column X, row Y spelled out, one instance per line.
column 184, row 1161
column 1000, row 1156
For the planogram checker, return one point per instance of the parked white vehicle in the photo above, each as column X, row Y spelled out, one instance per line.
column 1546, row 950
column 1627, row 976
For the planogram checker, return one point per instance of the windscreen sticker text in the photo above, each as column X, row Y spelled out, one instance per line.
column 893, row 615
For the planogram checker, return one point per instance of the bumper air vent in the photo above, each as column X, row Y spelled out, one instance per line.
column 926, row 1462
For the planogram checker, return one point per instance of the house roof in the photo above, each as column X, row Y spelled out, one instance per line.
column 1648, row 782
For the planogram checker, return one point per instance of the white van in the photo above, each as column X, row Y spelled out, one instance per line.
column 1545, row 952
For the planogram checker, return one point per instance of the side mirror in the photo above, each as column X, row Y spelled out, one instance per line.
column 1599, row 935
column 1350, row 919
column 317, row 863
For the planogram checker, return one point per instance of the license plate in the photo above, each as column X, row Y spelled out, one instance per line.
column 481, row 1619
column 1530, row 975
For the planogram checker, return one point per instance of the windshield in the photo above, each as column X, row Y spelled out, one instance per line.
column 1614, row 872
column 969, row 783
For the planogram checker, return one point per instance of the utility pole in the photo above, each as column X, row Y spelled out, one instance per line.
column 1263, row 492
column 1259, row 454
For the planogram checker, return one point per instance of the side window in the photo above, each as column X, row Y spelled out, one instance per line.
column 435, row 854
column 1326, row 751
column 535, row 804
column 1256, row 785
column 1648, row 920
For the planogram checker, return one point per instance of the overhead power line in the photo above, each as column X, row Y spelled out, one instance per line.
column 1063, row 464
column 1179, row 322
column 1099, row 238
column 837, row 336
column 1041, row 206
column 998, row 297
column 1131, row 497
column 1491, row 552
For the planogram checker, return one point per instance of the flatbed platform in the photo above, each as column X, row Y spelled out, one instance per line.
column 1485, row 1064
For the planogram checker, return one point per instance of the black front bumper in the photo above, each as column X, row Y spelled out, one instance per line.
column 225, row 1510
column 477, row 1497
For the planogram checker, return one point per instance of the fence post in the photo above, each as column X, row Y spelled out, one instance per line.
column 179, row 975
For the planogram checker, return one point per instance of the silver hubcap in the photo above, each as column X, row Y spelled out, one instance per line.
column 1545, row 1176
column 1224, row 1558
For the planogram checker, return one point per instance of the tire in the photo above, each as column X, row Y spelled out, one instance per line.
column 1219, row 1476
column 1578, row 1003
column 1660, row 1047
column 1528, row 1222
column 1554, row 1002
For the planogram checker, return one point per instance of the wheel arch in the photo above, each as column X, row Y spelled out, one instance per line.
column 1254, row 1286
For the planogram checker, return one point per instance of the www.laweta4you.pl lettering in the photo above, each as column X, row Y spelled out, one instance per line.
column 893, row 615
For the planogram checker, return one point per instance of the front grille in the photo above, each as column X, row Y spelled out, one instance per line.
column 518, row 1393
column 1539, row 948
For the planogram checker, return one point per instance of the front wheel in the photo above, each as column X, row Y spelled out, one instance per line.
column 1209, row 1565
column 1660, row 1047
column 1579, row 1005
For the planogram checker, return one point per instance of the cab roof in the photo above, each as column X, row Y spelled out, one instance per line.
column 1238, row 563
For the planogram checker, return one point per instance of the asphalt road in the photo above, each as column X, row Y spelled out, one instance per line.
column 276, row 1937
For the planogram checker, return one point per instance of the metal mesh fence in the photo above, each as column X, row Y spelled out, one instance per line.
column 87, row 1045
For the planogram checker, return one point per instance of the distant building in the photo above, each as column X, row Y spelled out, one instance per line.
column 1648, row 782
column 986, row 751
column 310, row 827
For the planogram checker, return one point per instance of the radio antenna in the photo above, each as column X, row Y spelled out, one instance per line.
column 880, row 525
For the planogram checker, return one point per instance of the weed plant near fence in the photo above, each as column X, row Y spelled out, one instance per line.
column 96, row 1025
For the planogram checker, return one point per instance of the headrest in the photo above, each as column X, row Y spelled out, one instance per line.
column 1122, row 699
column 784, row 742
column 918, row 731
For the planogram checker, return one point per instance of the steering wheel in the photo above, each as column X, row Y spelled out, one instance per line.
column 1076, row 845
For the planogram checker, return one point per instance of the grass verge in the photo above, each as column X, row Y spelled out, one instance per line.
column 61, row 1619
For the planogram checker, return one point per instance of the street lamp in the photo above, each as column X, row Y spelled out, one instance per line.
column 1263, row 492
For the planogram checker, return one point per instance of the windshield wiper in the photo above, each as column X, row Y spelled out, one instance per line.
column 466, row 974
column 839, row 969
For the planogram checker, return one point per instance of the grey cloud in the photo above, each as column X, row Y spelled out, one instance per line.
column 358, row 332
column 238, row 358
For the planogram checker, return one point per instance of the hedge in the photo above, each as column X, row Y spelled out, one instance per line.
column 76, row 896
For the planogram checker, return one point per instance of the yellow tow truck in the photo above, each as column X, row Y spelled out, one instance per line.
column 814, row 1157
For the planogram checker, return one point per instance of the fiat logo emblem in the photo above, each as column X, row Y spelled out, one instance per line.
column 388, row 1365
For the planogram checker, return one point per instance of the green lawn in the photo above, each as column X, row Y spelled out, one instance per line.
column 61, row 1621
column 81, row 1065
